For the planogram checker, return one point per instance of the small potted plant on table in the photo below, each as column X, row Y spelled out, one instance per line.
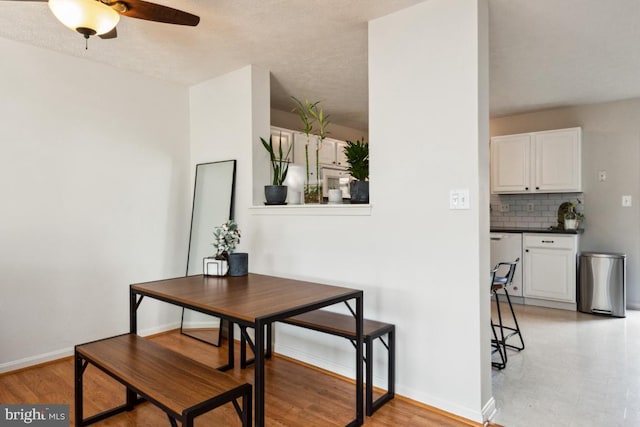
column 357, row 154
column 276, row 193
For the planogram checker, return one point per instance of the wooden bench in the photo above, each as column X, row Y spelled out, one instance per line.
column 180, row 386
column 344, row 326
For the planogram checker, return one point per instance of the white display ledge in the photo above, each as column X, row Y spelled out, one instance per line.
column 313, row 210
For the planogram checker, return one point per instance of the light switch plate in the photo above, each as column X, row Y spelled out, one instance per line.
column 626, row 201
column 459, row 199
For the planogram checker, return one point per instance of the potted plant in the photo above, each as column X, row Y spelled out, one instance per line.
column 225, row 239
column 357, row 154
column 310, row 112
column 573, row 218
column 276, row 193
column 315, row 111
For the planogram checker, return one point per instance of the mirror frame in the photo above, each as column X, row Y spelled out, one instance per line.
column 204, row 334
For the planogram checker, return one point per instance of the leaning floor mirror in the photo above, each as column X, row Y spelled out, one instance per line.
column 213, row 195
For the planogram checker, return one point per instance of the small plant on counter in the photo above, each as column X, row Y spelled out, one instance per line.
column 225, row 239
column 573, row 208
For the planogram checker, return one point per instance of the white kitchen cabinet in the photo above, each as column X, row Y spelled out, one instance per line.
column 284, row 138
column 332, row 153
column 537, row 162
column 550, row 268
column 510, row 163
column 299, row 156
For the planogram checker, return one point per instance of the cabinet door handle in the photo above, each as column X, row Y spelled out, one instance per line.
column 537, row 188
column 526, row 250
column 547, row 241
column 526, row 188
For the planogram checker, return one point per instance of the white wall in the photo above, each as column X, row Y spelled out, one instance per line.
column 421, row 265
column 229, row 114
column 610, row 142
column 93, row 173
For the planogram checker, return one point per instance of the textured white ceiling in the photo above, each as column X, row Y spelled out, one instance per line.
column 544, row 53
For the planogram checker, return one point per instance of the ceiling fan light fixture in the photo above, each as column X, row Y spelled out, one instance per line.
column 88, row 17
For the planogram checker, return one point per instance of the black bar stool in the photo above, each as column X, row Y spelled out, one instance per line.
column 496, row 344
column 502, row 283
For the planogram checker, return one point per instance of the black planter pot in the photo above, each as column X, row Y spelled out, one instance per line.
column 359, row 191
column 275, row 194
column 238, row 264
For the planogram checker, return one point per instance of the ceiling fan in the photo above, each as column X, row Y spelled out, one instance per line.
column 100, row 17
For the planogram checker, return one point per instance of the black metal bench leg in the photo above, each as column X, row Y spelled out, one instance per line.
column 368, row 363
column 391, row 368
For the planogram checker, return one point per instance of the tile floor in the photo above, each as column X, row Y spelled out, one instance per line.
column 576, row 370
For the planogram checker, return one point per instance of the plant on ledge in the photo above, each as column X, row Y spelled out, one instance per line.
column 357, row 154
column 276, row 193
column 310, row 112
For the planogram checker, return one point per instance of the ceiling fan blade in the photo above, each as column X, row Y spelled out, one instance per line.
column 158, row 13
column 110, row 35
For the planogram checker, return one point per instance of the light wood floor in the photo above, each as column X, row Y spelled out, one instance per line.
column 296, row 395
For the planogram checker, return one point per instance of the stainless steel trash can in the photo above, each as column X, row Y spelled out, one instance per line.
column 602, row 283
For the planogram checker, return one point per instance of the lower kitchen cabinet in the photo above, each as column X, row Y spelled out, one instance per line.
column 550, row 269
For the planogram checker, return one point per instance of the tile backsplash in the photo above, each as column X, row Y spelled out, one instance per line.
column 529, row 210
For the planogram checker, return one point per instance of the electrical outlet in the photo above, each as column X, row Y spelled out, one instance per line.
column 602, row 176
column 504, row 207
column 626, row 201
column 529, row 207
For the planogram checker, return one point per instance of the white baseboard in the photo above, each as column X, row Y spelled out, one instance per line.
column 35, row 360
column 417, row 395
column 26, row 362
column 489, row 410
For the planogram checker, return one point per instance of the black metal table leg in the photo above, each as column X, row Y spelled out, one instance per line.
column 259, row 385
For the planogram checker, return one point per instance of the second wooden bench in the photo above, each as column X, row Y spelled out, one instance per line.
column 180, row 386
column 344, row 326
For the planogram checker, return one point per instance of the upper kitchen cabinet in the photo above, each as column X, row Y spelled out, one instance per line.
column 300, row 149
column 537, row 162
column 283, row 138
column 332, row 153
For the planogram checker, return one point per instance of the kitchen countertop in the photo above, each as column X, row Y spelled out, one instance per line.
column 535, row 230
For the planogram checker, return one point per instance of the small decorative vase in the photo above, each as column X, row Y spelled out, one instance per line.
column 570, row 221
column 312, row 193
column 238, row 264
column 215, row 267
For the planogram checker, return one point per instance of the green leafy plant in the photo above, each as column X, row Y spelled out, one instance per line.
column 225, row 239
column 357, row 154
column 573, row 207
column 302, row 110
column 279, row 160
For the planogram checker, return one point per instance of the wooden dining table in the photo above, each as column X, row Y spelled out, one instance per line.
column 255, row 301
